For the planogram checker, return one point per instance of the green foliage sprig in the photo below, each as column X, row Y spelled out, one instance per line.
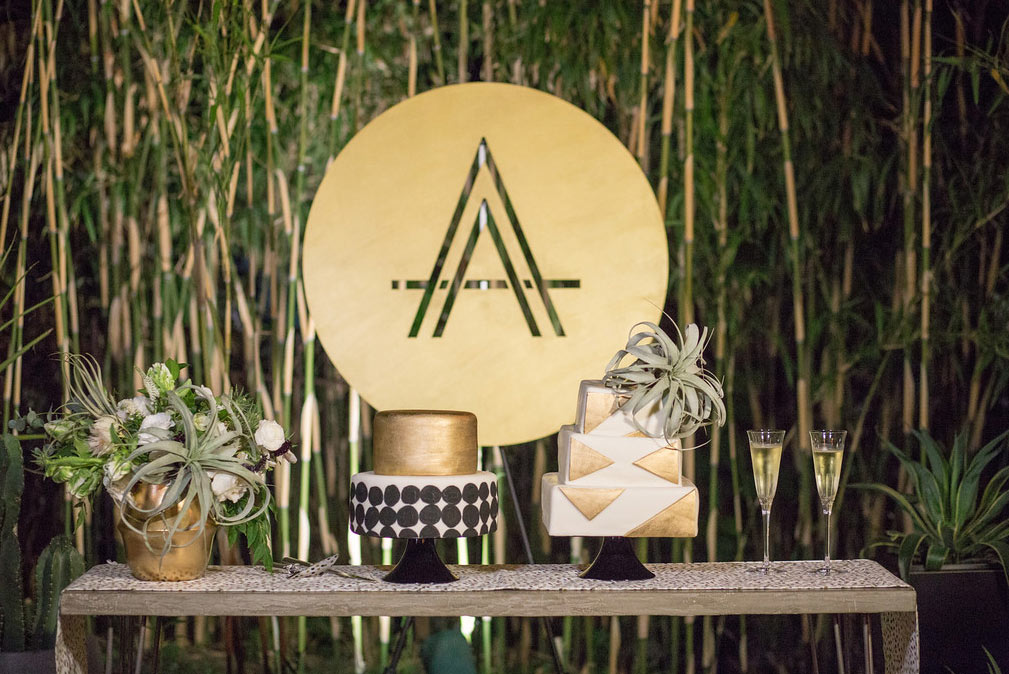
column 689, row 397
column 953, row 519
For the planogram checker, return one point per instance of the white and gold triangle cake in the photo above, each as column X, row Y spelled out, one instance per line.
column 617, row 475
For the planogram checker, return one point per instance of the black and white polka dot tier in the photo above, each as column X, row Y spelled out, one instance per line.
column 433, row 506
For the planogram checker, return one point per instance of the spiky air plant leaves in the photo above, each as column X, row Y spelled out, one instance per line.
column 186, row 467
column 671, row 374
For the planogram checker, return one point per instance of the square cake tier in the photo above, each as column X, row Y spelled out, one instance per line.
column 599, row 413
column 635, row 512
column 592, row 460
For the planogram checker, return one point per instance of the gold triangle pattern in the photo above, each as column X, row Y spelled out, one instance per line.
column 599, row 406
column 585, row 460
column 678, row 520
column 591, row 502
column 664, row 462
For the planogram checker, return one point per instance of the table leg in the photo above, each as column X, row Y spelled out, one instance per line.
column 867, row 642
column 71, row 647
column 900, row 642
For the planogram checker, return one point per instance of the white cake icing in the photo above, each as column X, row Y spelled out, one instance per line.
column 632, row 508
column 423, row 506
column 617, row 422
column 622, row 451
column 616, row 477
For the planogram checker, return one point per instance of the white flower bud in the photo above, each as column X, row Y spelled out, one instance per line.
column 270, row 435
column 157, row 426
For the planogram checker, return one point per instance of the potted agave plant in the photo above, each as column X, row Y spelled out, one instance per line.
column 956, row 554
column 178, row 460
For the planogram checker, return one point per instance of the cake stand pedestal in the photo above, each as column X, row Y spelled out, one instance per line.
column 616, row 561
column 420, row 563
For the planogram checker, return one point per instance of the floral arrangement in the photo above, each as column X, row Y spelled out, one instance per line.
column 209, row 451
column 689, row 397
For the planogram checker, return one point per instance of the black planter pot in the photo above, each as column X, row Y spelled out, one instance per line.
column 962, row 609
column 35, row 662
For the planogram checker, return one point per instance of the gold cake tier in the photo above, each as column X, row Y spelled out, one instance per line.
column 425, row 442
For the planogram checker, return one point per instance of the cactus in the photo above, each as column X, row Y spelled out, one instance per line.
column 58, row 565
column 12, row 628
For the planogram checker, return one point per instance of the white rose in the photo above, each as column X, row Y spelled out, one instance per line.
column 135, row 406
column 270, row 435
column 100, row 439
column 157, row 423
column 201, row 421
column 226, row 486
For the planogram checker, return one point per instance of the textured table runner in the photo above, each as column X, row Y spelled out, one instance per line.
column 860, row 573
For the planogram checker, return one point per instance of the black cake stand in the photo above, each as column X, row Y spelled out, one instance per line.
column 616, row 561
column 420, row 563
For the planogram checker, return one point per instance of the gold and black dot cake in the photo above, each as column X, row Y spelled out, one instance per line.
column 425, row 483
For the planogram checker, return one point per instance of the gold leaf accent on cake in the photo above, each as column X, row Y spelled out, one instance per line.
column 585, row 460
column 678, row 520
column 591, row 502
column 664, row 462
column 599, row 406
column 424, row 442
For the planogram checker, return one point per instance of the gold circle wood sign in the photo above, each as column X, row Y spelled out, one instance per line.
column 482, row 247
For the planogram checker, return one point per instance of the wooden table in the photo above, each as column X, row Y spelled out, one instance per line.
column 720, row 588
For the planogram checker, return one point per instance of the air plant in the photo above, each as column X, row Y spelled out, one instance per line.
column 673, row 376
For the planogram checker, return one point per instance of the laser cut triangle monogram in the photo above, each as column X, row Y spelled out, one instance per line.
column 440, row 279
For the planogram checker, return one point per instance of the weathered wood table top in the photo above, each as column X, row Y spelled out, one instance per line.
column 718, row 588
column 514, row 590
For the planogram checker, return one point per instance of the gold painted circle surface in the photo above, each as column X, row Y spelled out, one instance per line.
column 424, row 442
column 568, row 252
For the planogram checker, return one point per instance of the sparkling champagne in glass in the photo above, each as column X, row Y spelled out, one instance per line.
column 765, row 453
column 828, row 450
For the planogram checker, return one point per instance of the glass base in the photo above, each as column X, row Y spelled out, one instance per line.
column 765, row 570
column 828, row 571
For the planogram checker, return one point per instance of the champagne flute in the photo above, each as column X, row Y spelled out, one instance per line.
column 765, row 453
column 828, row 449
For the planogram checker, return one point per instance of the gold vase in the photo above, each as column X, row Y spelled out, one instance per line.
column 188, row 549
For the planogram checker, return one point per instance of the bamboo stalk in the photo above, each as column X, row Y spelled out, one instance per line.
column 463, row 56
column 708, row 656
column 436, row 38
column 57, row 248
column 802, row 381
column 926, row 226
column 668, row 99
column 646, row 32
column 910, row 51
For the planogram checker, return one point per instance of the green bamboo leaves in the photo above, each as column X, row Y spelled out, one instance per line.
column 689, row 397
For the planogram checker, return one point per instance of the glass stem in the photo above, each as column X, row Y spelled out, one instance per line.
column 826, row 558
column 767, row 540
